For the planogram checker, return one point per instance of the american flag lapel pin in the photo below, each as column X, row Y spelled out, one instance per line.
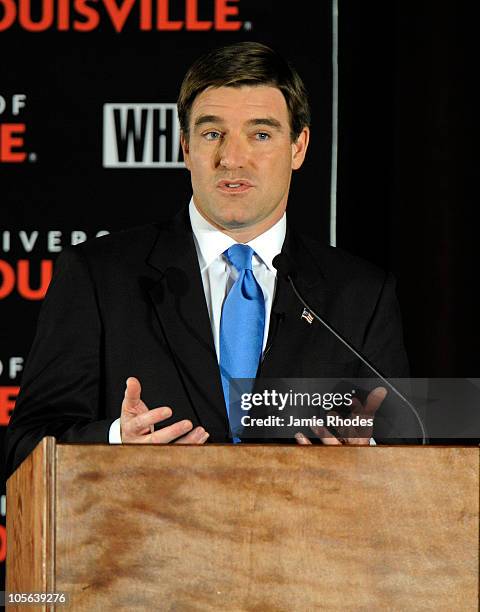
column 307, row 315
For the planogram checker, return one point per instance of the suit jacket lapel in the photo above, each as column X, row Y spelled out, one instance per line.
column 288, row 332
column 179, row 302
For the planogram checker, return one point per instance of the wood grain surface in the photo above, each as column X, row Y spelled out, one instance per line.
column 30, row 525
column 266, row 528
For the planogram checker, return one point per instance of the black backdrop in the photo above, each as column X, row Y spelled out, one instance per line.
column 405, row 156
column 407, row 166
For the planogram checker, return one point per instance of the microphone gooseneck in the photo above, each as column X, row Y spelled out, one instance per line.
column 286, row 269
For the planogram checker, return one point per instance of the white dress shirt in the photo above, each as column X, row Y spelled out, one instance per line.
column 218, row 275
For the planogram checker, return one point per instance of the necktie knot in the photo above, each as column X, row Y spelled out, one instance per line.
column 240, row 256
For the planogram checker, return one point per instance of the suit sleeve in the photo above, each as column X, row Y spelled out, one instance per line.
column 384, row 348
column 383, row 342
column 59, row 393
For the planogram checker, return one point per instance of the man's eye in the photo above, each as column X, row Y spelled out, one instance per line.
column 212, row 135
column 262, row 136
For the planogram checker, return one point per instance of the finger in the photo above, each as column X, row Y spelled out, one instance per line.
column 170, row 433
column 357, row 441
column 357, row 406
column 342, row 432
column 325, row 436
column 372, row 403
column 196, row 436
column 374, row 400
column 301, row 439
column 144, row 422
column 331, row 441
column 357, row 434
column 133, row 392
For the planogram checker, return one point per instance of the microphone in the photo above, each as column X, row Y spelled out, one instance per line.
column 286, row 269
column 284, row 266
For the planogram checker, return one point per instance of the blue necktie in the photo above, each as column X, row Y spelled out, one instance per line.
column 241, row 329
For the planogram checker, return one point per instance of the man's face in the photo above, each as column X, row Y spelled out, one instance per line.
column 241, row 157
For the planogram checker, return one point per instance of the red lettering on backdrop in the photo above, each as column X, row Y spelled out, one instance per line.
column 7, row 279
column 23, row 279
column 9, row 139
column 222, row 11
column 119, row 15
column 163, row 22
column 3, row 543
column 9, row 13
column 92, row 18
column 8, row 395
column 192, row 22
column 63, row 15
column 87, row 17
column 146, row 15
column 25, row 16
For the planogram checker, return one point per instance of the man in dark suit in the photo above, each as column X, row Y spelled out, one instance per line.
column 147, row 307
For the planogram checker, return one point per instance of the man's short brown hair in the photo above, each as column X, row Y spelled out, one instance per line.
column 245, row 63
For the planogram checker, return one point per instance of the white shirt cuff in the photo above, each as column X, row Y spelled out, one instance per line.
column 114, row 435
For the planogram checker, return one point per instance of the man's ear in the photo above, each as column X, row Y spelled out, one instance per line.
column 299, row 148
column 185, row 148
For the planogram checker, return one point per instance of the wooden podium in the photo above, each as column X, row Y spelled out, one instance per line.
column 246, row 527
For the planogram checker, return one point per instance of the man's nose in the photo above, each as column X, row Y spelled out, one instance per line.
column 233, row 153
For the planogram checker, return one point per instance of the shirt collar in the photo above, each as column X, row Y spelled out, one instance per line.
column 211, row 242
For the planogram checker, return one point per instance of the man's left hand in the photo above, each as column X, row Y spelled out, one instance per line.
column 351, row 435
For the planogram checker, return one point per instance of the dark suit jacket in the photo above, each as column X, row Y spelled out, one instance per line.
column 132, row 304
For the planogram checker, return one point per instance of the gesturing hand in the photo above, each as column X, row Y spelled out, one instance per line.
column 137, row 421
column 351, row 435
